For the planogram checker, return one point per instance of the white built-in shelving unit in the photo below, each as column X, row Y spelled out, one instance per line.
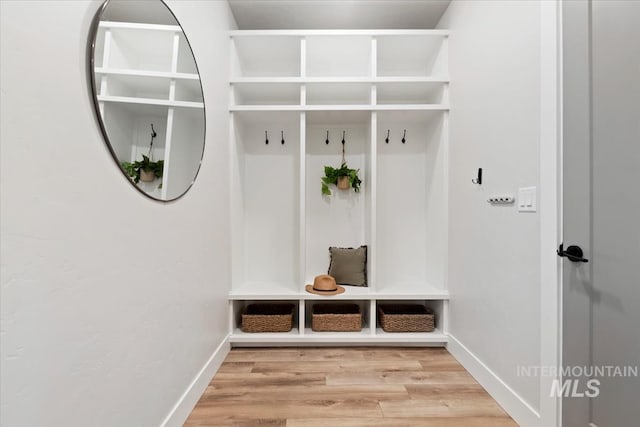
column 145, row 73
column 303, row 84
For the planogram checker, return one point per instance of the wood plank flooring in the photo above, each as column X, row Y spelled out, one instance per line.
column 350, row 387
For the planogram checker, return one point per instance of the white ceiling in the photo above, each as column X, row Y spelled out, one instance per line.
column 337, row 14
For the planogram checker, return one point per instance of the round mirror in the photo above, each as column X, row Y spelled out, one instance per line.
column 148, row 96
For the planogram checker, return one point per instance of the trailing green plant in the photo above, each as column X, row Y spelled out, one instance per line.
column 332, row 174
column 132, row 169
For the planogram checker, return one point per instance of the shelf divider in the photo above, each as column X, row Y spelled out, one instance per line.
column 303, row 57
column 372, row 251
column 167, row 152
column 301, row 316
column 302, row 266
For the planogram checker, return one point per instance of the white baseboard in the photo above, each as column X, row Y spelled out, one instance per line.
column 183, row 407
column 506, row 397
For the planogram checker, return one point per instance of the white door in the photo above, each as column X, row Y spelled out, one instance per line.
column 601, row 211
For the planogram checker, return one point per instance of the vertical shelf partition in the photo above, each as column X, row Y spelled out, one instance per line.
column 367, row 84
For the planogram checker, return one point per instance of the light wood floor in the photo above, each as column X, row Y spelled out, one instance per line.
column 336, row 387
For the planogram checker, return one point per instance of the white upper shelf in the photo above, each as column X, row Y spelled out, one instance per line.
column 303, row 80
column 304, row 33
column 363, row 107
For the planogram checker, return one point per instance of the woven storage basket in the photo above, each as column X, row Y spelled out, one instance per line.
column 266, row 317
column 406, row 318
column 336, row 318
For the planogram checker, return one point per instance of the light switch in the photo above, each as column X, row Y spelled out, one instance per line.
column 527, row 199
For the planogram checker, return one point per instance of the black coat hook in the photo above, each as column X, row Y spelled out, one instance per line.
column 282, row 137
column 478, row 180
column 404, row 139
column 387, row 140
column 266, row 137
column 327, row 140
column 343, row 141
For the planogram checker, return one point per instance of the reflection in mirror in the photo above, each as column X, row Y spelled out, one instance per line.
column 148, row 95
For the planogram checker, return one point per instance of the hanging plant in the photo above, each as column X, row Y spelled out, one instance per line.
column 343, row 178
column 145, row 170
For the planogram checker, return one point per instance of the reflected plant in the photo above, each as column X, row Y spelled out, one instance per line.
column 133, row 169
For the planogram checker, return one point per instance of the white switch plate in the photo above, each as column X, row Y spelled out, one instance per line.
column 527, row 199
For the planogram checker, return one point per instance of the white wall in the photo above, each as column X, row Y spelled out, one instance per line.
column 111, row 303
column 494, row 252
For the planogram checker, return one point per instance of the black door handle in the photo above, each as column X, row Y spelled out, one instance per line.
column 573, row 253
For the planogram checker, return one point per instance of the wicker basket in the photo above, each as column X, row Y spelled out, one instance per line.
column 336, row 318
column 406, row 318
column 268, row 318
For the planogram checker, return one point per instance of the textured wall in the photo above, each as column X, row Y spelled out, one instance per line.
column 111, row 303
column 494, row 251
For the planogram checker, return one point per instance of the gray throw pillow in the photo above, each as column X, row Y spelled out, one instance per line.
column 349, row 266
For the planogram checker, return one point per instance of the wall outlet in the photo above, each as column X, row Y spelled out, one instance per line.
column 501, row 200
column 527, row 199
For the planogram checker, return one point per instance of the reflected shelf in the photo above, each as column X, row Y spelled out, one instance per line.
column 150, row 101
column 139, row 26
column 146, row 73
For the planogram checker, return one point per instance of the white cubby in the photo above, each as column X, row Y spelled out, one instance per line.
column 185, row 152
column 238, row 307
column 188, row 90
column 282, row 228
column 411, row 200
column 338, row 93
column 184, row 62
column 439, row 308
column 99, row 48
column 411, row 93
column 339, row 219
column 412, row 55
column 345, row 56
column 362, row 304
column 137, row 86
column 266, row 93
column 265, row 200
column 140, row 47
column 259, row 56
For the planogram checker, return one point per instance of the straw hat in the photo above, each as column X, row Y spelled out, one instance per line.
column 324, row 285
